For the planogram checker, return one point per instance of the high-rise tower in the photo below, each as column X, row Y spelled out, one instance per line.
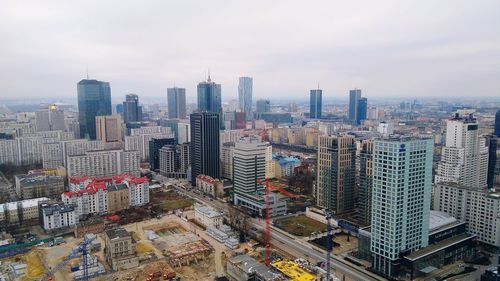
column 205, row 147
column 245, row 96
column 354, row 96
column 402, row 184
column 209, row 98
column 316, row 104
column 132, row 112
column 176, row 103
column 94, row 99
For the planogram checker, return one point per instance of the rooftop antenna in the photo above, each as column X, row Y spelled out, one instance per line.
column 87, row 72
column 209, row 80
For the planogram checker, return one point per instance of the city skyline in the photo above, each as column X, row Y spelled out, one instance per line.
column 420, row 56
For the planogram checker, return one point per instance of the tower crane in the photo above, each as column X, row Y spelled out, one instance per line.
column 83, row 249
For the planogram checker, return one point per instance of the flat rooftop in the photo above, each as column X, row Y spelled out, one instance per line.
column 431, row 249
column 117, row 233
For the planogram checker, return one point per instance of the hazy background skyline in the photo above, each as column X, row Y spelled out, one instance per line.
column 386, row 48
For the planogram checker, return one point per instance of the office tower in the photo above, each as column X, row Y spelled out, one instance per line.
column 354, row 96
column 226, row 159
column 493, row 166
column 209, row 98
column 401, row 196
column 109, row 128
column 132, row 112
column 245, row 96
column 155, row 144
column 205, row 146
column 336, row 175
column 497, row 123
column 175, row 160
column 50, row 119
column 249, row 165
column 176, row 98
column 365, row 181
column 263, row 105
column 104, row 163
column 362, row 110
column 316, row 104
column 235, row 120
column 94, row 99
column 464, row 158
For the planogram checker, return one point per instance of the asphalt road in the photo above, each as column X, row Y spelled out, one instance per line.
column 307, row 251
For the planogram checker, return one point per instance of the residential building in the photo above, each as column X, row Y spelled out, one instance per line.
column 176, row 98
column 464, row 158
column 175, row 160
column 401, row 195
column 226, row 159
column 132, row 111
column 91, row 200
column 245, row 96
column 56, row 216
column 210, row 186
column 139, row 139
column 94, row 99
column 155, row 144
column 284, row 166
column 104, row 163
column 31, row 186
column 208, row 216
column 24, row 211
column 50, row 119
column 263, row 105
column 205, row 146
column 119, row 249
column 365, row 181
column 118, row 198
column 315, row 104
column 109, row 128
column 336, row 173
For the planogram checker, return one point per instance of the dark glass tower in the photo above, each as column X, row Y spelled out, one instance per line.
column 94, row 99
column 132, row 112
column 209, row 98
column 497, row 123
column 205, row 158
column 354, row 96
column 154, row 151
column 362, row 109
column 176, row 98
column 316, row 104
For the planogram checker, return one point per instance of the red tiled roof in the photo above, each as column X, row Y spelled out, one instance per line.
column 101, row 183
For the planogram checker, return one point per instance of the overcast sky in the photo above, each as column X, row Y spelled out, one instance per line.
column 386, row 48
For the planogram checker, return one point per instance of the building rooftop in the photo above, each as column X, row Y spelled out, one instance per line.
column 37, row 179
column 33, row 202
column 439, row 246
column 51, row 208
column 208, row 211
column 438, row 220
column 117, row 233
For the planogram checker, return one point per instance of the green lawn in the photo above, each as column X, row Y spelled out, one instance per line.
column 170, row 205
column 300, row 225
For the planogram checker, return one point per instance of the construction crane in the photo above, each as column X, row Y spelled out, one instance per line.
column 329, row 244
column 83, row 248
column 267, row 234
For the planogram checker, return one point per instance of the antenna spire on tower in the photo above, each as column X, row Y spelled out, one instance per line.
column 87, row 72
column 209, row 80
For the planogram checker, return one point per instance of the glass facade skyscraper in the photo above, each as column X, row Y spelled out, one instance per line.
column 354, row 96
column 263, row 105
column 94, row 99
column 362, row 110
column 316, row 104
column 245, row 96
column 205, row 144
column 176, row 98
column 209, row 98
column 132, row 112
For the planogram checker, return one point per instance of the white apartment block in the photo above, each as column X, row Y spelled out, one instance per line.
column 9, row 152
column 20, row 211
column 479, row 208
column 93, row 199
column 141, row 142
column 57, row 215
column 104, row 163
column 52, row 156
column 138, row 191
column 464, row 159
